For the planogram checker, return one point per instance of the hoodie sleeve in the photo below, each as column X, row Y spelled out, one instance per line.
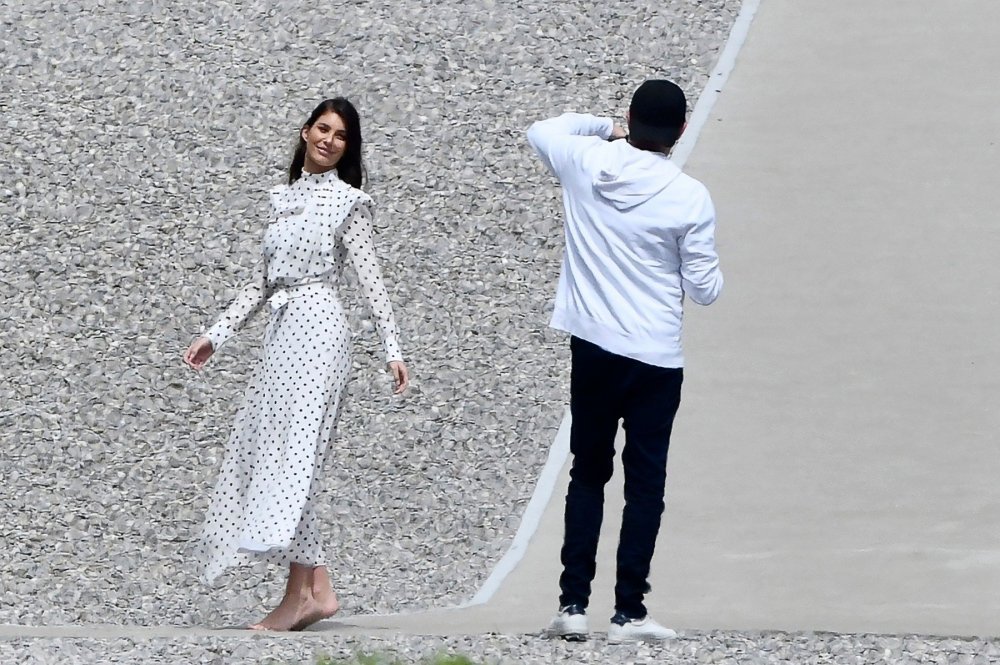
column 556, row 139
column 700, row 273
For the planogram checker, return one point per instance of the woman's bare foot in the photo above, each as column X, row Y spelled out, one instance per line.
column 309, row 598
column 286, row 615
column 323, row 603
column 299, row 614
column 315, row 611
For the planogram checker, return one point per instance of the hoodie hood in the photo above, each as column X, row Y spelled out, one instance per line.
column 631, row 176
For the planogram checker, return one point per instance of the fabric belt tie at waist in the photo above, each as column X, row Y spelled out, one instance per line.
column 283, row 294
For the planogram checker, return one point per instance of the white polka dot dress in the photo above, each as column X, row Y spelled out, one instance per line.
column 262, row 507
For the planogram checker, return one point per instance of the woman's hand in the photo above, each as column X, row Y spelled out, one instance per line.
column 400, row 375
column 198, row 353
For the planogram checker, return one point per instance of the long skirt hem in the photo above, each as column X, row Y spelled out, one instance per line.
column 263, row 504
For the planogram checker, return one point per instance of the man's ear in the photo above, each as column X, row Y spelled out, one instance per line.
column 683, row 127
column 628, row 116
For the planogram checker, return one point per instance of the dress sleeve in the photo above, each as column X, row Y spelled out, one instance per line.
column 250, row 299
column 360, row 245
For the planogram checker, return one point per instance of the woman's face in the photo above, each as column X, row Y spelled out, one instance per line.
column 325, row 141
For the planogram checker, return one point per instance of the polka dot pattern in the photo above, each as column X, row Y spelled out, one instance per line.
column 262, row 507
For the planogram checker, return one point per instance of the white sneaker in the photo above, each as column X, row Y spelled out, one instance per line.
column 637, row 630
column 570, row 624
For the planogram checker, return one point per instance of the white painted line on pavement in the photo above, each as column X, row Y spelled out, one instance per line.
column 532, row 514
column 559, row 451
column 716, row 80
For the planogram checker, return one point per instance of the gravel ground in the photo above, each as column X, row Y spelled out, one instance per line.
column 798, row 648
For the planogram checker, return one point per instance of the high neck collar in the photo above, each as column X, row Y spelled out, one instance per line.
column 325, row 176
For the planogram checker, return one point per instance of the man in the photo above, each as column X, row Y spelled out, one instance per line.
column 640, row 236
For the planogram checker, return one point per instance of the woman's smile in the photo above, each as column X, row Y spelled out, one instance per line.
column 326, row 140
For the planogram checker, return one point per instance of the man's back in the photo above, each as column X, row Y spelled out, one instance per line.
column 639, row 236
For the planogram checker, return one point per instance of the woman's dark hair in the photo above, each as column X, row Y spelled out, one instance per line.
column 350, row 167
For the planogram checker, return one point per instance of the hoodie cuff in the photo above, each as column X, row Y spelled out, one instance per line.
column 608, row 126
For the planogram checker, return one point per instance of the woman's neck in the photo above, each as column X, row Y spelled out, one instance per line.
column 308, row 166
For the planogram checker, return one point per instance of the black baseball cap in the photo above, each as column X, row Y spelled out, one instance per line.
column 657, row 112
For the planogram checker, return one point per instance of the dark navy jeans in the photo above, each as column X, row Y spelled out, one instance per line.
column 606, row 388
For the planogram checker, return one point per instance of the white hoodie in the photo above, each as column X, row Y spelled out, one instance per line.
column 640, row 234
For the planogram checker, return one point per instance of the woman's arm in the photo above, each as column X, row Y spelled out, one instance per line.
column 250, row 299
column 358, row 239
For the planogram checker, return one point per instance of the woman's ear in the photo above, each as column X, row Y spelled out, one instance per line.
column 305, row 132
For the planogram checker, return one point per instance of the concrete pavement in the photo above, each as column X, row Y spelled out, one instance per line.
column 836, row 460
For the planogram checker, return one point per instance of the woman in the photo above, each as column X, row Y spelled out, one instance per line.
column 263, row 506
